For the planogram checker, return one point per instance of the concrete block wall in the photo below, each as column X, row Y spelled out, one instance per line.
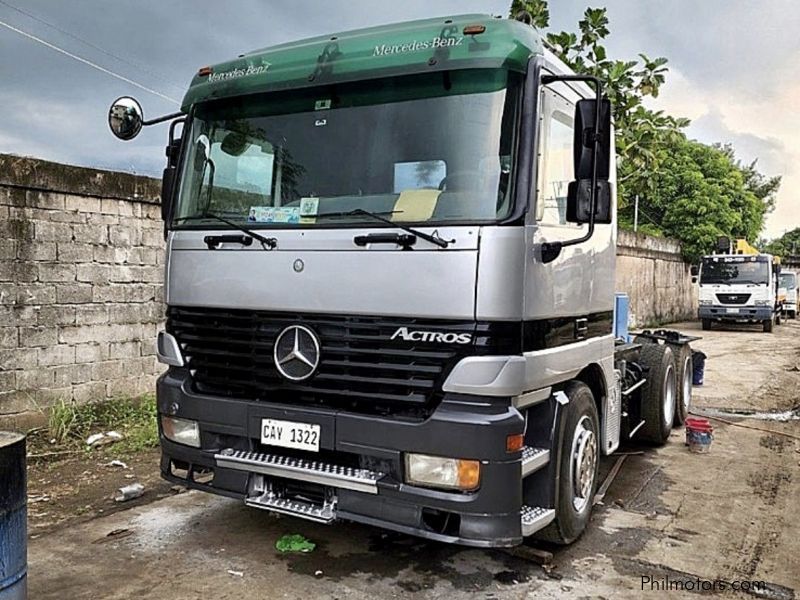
column 81, row 274
column 653, row 273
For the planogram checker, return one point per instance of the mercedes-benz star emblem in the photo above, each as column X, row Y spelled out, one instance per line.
column 296, row 353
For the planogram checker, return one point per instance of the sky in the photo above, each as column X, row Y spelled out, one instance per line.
column 734, row 67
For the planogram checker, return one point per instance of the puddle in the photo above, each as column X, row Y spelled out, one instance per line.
column 781, row 417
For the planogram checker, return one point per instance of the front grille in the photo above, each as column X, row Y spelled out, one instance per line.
column 733, row 298
column 230, row 353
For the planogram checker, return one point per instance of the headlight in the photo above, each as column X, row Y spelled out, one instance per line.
column 181, row 431
column 436, row 471
column 763, row 302
column 705, row 302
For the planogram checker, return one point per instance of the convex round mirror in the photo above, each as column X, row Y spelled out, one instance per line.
column 125, row 118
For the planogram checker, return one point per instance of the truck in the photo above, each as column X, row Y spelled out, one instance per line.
column 390, row 285
column 787, row 290
column 739, row 284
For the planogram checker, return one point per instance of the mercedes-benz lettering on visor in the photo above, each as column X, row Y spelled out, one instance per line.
column 297, row 353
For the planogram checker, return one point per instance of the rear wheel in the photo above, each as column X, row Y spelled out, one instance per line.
column 706, row 324
column 684, row 372
column 659, row 393
column 579, row 460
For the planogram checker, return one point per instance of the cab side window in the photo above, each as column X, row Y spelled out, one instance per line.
column 555, row 160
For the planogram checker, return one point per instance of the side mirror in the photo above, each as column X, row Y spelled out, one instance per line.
column 125, row 118
column 591, row 162
column 694, row 271
column 579, row 202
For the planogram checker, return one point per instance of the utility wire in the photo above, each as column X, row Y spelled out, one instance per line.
column 91, row 45
column 88, row 62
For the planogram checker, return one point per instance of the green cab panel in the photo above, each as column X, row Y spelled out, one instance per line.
column 400, row 49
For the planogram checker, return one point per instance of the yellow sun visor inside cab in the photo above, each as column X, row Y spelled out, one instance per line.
column 416, row 205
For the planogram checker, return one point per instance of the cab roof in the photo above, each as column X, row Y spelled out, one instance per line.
column 398, row 49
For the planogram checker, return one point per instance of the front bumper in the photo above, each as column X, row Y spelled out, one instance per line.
column 462, row 427
column 738, row 314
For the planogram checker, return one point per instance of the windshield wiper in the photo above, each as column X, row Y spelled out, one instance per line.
column 268, row 243
column 433, row 239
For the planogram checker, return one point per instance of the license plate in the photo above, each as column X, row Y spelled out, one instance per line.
column 290, row 434
column 733, row 310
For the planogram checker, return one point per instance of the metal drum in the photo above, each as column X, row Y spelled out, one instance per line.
column 13, row 514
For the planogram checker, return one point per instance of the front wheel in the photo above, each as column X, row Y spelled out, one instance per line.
column 579, row 460
column 706, row 324
column 768, row 324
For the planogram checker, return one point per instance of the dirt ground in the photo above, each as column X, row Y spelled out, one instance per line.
column 730, row 515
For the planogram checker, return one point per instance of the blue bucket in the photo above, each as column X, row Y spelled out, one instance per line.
column 698, row 367
column 13, row 514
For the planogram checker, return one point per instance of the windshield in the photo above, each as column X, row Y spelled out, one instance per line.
column 423, row 149
column 788, row 281
column 735, row 269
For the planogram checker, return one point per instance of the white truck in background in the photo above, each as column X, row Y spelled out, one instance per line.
column 787, row 289
column 739, row 285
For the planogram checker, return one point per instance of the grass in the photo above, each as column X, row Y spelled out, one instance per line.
column 70, row 424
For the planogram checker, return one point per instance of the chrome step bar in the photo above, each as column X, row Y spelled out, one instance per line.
column 348, row 478
column 534, row 459
column 263, row 495
column 535, row 518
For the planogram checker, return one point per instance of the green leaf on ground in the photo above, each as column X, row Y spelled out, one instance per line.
column 294, row 543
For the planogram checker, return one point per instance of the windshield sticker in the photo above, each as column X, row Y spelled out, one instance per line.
column 322, row 105
column 417, row 45
column 237, row 73
column 309, row 207
column 274, row 214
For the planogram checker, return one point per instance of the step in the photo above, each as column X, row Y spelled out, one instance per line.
column 296, row 508
column 535, row 518
column 534, row 459
column 328, row 474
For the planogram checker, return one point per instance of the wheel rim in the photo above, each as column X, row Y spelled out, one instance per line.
column 583, row 464
column 687, row 384
column 669, row 396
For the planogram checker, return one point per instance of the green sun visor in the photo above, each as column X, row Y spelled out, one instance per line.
column 464, row 42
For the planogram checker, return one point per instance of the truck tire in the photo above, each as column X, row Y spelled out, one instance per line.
column 706, row 324
column 768, row 324
column 640, row 339
column 578, row 447
column 659, row 393
column 684, row 372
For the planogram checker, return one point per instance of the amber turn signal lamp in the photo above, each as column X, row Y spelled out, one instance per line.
column 515, row 442
column 474, row 29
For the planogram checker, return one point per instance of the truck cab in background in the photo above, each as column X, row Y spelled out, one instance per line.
column 788, row 290
column 739, row 285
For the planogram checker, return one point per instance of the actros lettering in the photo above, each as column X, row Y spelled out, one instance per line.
column 431, row 336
